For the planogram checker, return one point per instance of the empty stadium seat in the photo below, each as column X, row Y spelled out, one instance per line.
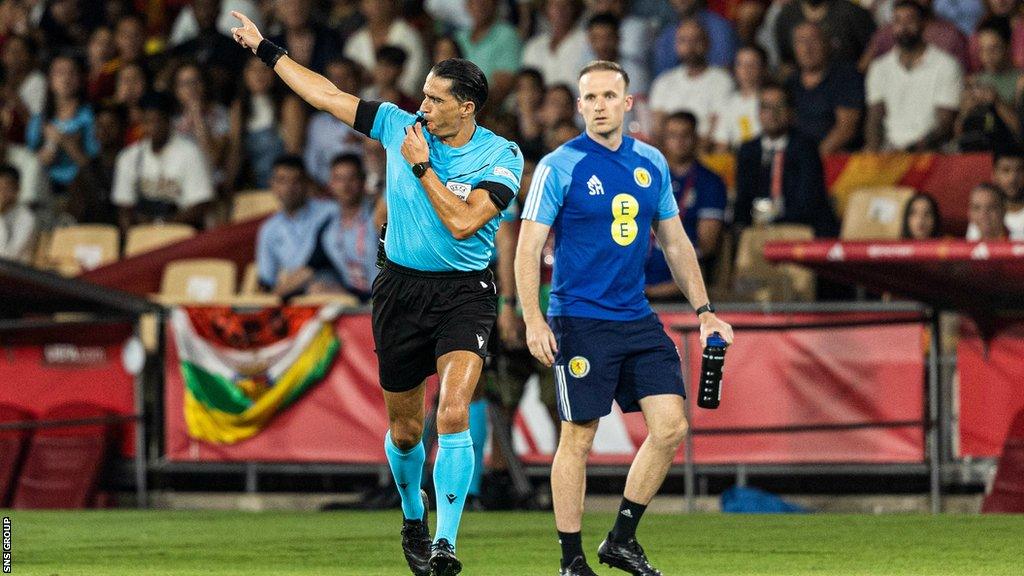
column 253, row 204
column 345, row 300
column 1007, row 496
column 755, row 279
column 875, row 213
column 198, row 280
column 147, row 237
column 250, row 280
column 12, row 449
column 63, row 464
column 74, row 249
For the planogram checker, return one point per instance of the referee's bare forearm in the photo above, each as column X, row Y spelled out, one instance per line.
column 318, row 91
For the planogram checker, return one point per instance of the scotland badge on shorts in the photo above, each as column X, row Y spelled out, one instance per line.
column 579, row 366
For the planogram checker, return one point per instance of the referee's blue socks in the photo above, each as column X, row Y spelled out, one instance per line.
column 453, row 471
column 478, row 430
column 407, row 469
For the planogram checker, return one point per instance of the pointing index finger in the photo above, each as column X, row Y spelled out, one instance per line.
column 242, row 17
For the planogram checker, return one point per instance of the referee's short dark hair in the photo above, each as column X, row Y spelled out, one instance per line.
column 468, row 80
column 598, row 65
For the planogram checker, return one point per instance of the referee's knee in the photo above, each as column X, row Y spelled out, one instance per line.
column 406, row 434
column 452, row 419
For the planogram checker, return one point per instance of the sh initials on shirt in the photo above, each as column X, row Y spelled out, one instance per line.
column 595, row 186
column 459, row 189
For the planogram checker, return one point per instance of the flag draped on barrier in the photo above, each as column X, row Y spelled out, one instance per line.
column 241, row 369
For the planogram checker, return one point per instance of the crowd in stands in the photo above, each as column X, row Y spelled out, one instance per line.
column 125, row 112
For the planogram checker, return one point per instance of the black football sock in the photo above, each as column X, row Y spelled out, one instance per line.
column 626, row 521
column 572, row 546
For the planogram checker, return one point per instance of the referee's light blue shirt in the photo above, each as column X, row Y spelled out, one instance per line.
column 416, row 237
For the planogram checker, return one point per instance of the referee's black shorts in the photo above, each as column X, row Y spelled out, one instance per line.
column 420, row 316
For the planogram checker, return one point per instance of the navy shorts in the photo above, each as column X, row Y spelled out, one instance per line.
column 603, row 360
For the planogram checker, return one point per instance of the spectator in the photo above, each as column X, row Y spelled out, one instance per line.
column 603, row 42
column 693, row 85
column 493, row 45
column 383, row 26
column 34, row 185
column 1010, row 10
column 988, row 114
column 344, row 18
column 749, row 16
column 986, row 213
column 308, row 42
column 17, row 223
column 263, row 119
column 350, row 238
column 636, row 34
column 187, row 27
column 130, row 39
column 560, row 133
column 201, row 120
column 559, row 109
column 131, row 85
column 326, row 136
column 101, row 58
column 1008, row 177
column 24, row 86
column 63, row 135
column 938, row 32
column 913, row 92
column 556, row 54
column 848, row 27
column 720, row 38
column 965, row 14
column 89, row 196
column 737, row 115
column 828, row 97
column 921, row 220
column 780, row 174
column 700, row 194
column 529, row 100
column 287, row 241
column 63, row 27
column 766, row 33
column 213, row 50
column 163, row 177
column 386, row 72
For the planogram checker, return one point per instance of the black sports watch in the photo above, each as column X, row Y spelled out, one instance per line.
column 419, row 169
column 709, row 307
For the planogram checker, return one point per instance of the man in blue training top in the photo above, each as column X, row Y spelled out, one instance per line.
column 602, row 192
column 434, row 303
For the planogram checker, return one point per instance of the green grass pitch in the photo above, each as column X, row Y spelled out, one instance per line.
column 120, row 543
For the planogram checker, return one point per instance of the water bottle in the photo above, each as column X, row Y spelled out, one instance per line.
column 709, row 395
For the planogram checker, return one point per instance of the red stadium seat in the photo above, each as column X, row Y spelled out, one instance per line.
column 63, row 464
column 1007, row 496
column 12, row 449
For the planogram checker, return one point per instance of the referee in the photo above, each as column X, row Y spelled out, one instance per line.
column 434, row 303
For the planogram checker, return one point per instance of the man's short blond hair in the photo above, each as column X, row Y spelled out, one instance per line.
column 598, row 65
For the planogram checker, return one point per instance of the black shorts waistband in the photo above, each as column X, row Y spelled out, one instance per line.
column 431, row 274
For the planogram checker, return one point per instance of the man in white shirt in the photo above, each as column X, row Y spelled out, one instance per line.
column 163, row 177
column 17, row 223
column 913, row 92
column 692, row 86
column 556, row 54
column 382, row 18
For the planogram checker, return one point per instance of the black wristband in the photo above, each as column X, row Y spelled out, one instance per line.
column 270, row 53
column 706, row 308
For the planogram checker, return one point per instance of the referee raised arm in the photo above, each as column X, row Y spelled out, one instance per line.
column 434, row 303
